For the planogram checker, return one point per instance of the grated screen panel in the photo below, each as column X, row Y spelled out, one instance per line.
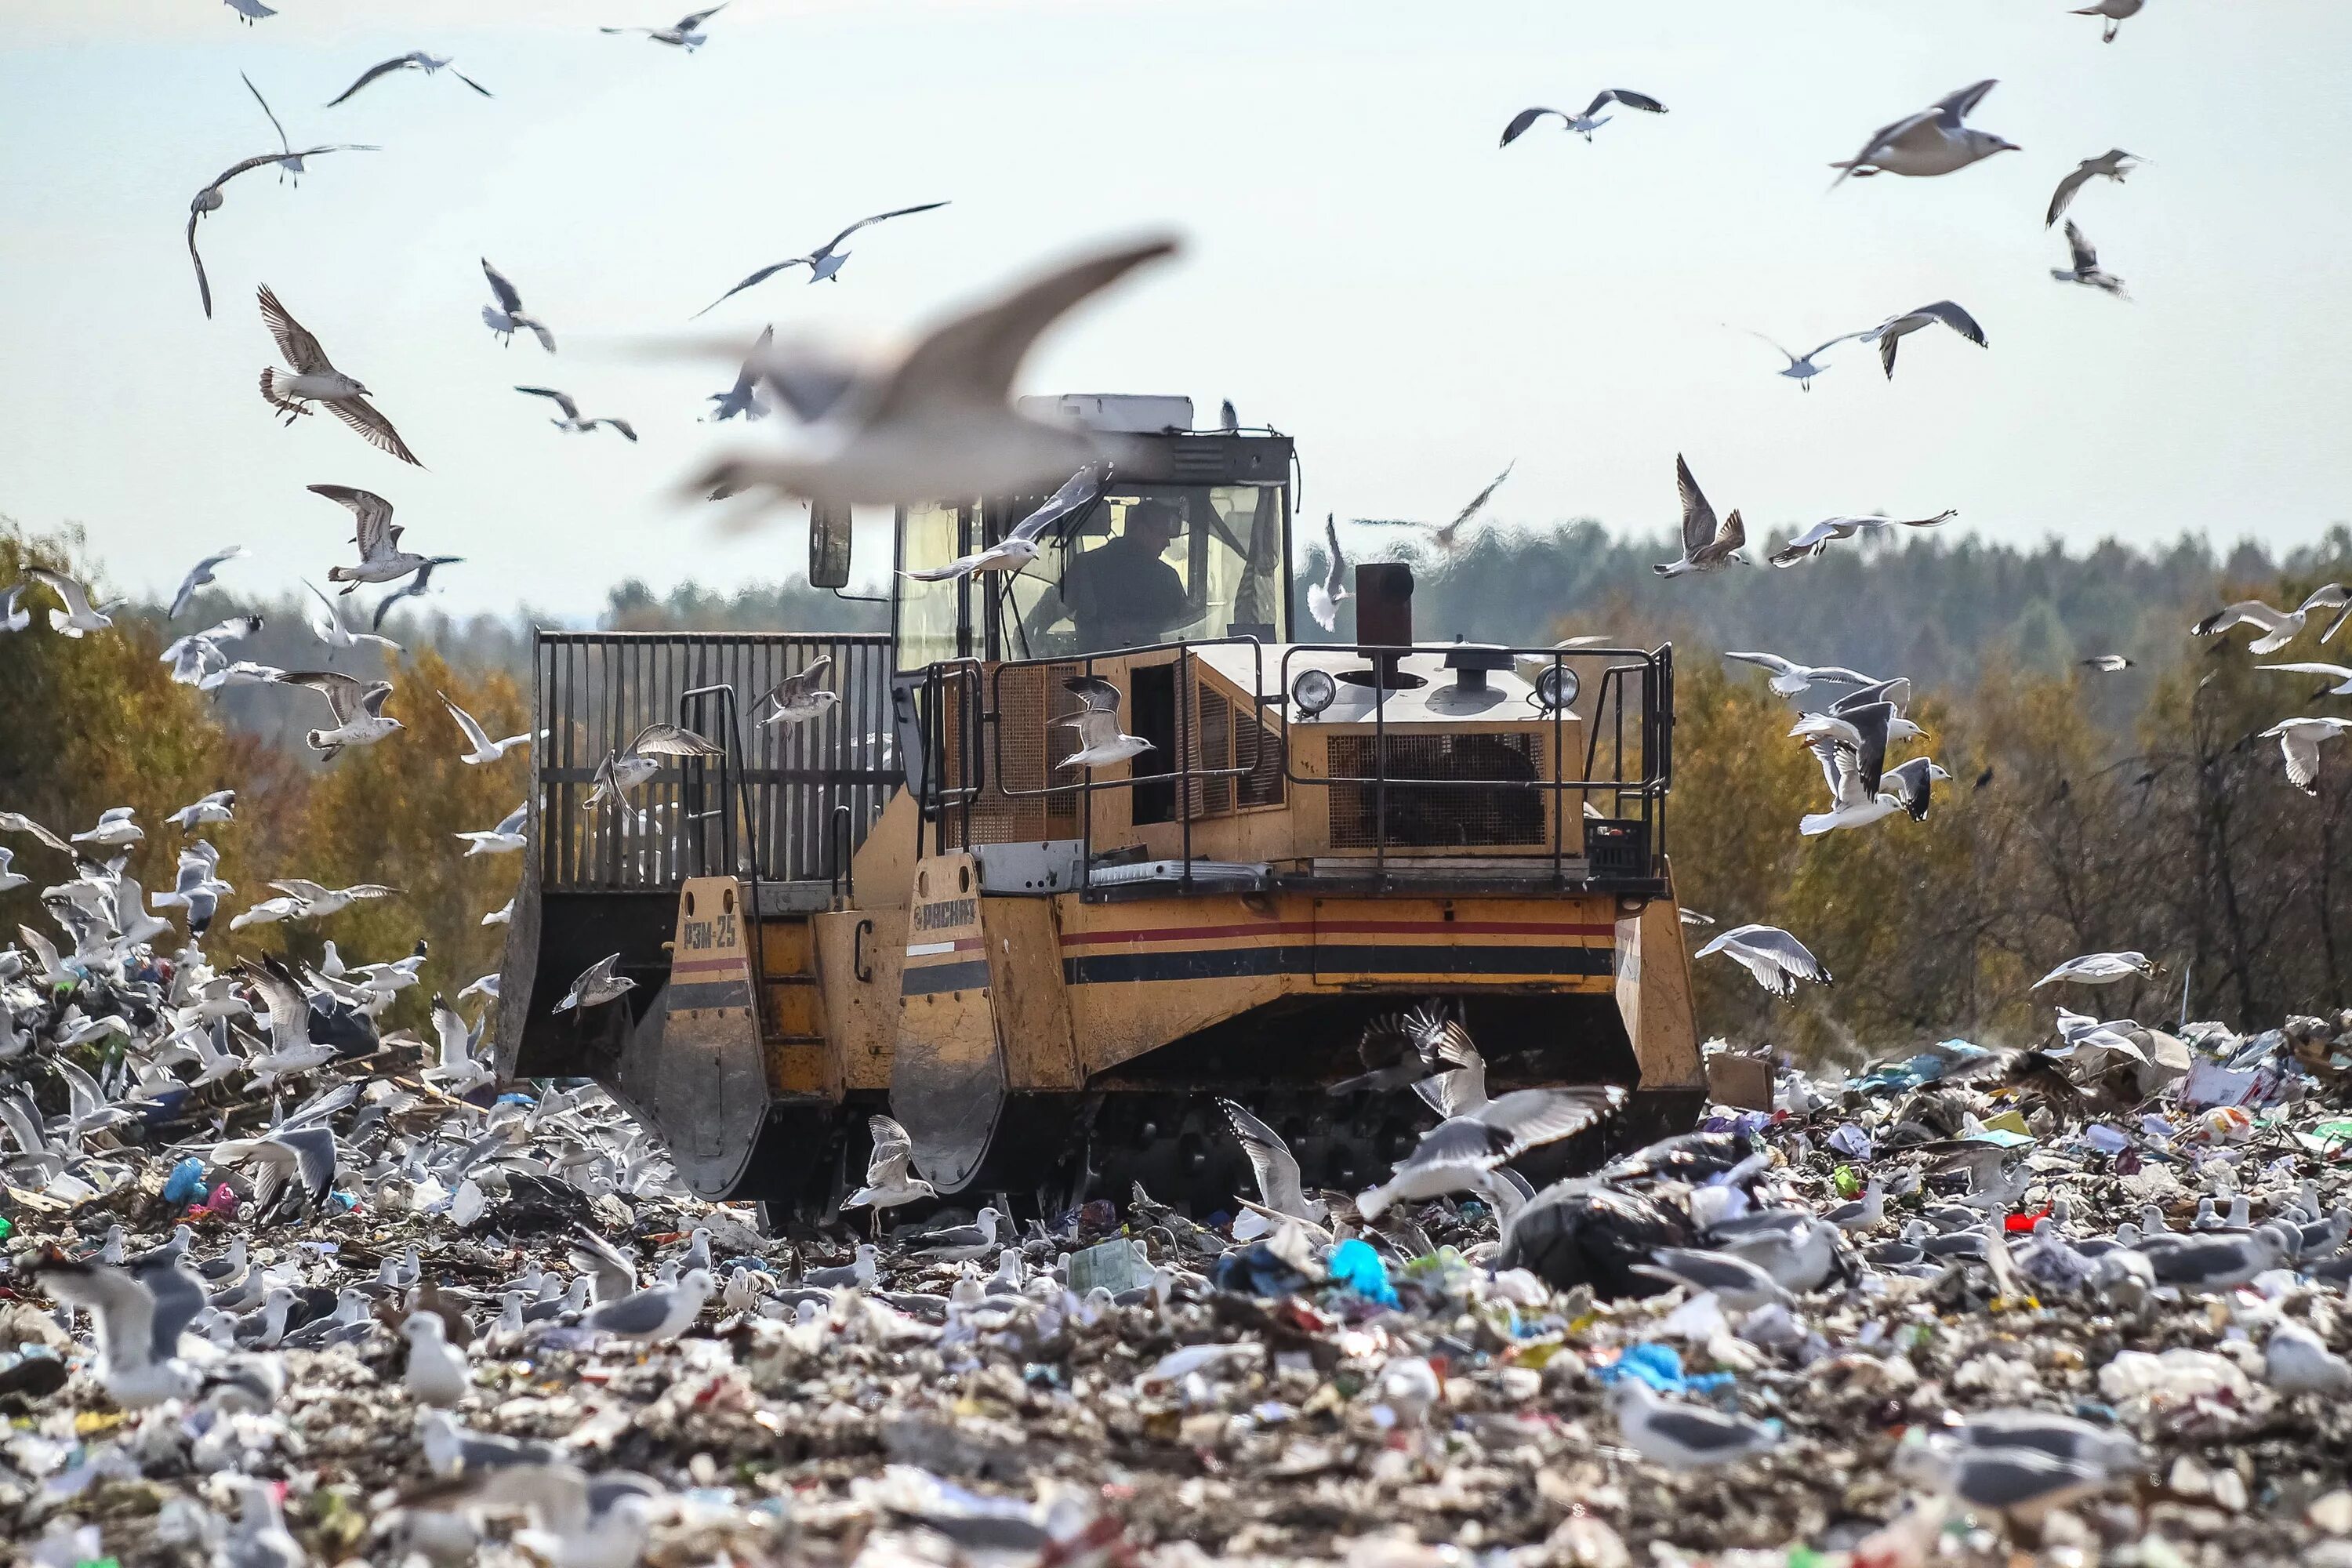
column 1448, row 815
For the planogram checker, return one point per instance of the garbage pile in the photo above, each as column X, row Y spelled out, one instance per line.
column 2074, row 1306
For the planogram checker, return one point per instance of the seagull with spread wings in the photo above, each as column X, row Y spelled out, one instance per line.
column 686, row 33
column 329, row 628
column 1447, row 535
column 1895, row 329
column 1462, row 1153
column 888, row 1184
column 1323, row 598
column 2112, row 14
column 1816, row 540
column 743, row 398
column 2299, row 740
column 413, row 588
column 414, row 60
column 480, row 747
column 2113, row 164
column 937, row 419
column 314, row 379
column 2279, row 628
column 1587, row 122
column 199, row 575
column 1776, row 959
column 620, row 772
column 249, row 11
column 1790, row 679
column 289, row 162
column 508, row 317
column 1276, row 1167
column 571, row 419
column 357, row 707
column 825, row 262
column 800, row 697
column 80, row 616
column 2084, row 265
column 1707, row 544
column 380, row 558
column 208, row 200
column 1100, row 742
column 1022, row 543
column 1802, row 368
column 1933, row 141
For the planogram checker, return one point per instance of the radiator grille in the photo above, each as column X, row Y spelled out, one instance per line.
column 1025, row 753
column 1214, row 748
column 1448, row 815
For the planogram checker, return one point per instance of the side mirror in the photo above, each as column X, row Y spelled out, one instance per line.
column 828, row 544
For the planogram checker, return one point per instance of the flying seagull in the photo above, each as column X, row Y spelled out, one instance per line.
column 380, row 558
column 2279, row 628
column 199, row 575
column 329, row 628
column 313, row 378
column 208, row 201
column 508, row 317
column 1462, row 1153
column 2113, row 164
column 249, row 11
column 2113, row 12
column 289, row 162
column 571, row 420
column 13, row 617
column 1802, row 368
column 743, row 397
column 1895, row 329
column 1447, row 535
column 598, row 983
column 1586, row 123
column 623, row 771
column 357, row 707
column 686, row 33
column 480, row 747
column 1706, row 544
column 414, row 60
column 2299, row 740
column 141, row 1314
column 80, row 616
column 2107, row 663
column 1932, row 141
column 1816, row 540
column 510, row 834
column 2336, row 672
column 1100, row 742
column 1790, row 679
column 413, row 588
column 1403, row 1049
column 1323, row 598
column 800, row 697
column 1022, row 542
column 1276, row 1168
column 2101, row 969
column 825, row 262
column 2084, row 267
column 937, row 419
column 1776, row 959
column 218, row 806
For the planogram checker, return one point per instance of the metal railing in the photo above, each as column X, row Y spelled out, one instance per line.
column 782, row 790
column 1653, row 727
column 1631, row 703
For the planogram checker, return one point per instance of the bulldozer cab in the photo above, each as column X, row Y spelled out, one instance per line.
column 924, row 901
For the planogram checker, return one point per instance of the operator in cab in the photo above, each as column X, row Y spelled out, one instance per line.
column 1121, row 593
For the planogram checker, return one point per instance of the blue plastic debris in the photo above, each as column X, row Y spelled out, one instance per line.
column 1660, row 1366
column 1256, row 1271
column 187, row 1182
column 1355, row 1265
column 518, row 1099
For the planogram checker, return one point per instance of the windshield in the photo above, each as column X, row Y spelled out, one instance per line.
column 1157, row 563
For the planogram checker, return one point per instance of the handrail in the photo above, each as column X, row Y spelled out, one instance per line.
column 731, row 748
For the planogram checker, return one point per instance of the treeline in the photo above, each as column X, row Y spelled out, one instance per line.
column 2087, row 811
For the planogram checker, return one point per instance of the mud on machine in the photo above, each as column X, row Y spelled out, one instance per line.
column 1047, row 972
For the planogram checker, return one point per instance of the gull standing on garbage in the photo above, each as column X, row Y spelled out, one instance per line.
column 436, row 1369
column 825, row 262
column 888, row 1184
column 654, row 1315
column 1685, row 1436
column 1587, row 122
column 312, row 378
column 1932, row 141
column 1776, row 959
column 1706, row 544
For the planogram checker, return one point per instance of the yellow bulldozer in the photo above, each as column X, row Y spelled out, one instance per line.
column 1047, row 973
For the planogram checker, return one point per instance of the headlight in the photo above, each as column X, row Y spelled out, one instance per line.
column 1313, row 691
column 1556, row 688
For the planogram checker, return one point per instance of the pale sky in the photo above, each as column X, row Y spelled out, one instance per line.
column 1364, row 268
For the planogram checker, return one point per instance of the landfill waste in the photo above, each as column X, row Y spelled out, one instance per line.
column 1970, row 1305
